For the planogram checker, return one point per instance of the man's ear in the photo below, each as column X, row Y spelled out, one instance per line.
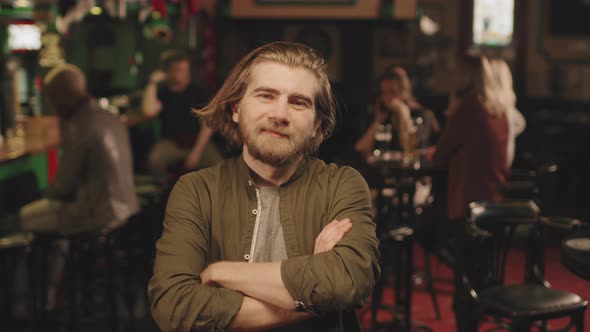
column 316, row 126
column 235, row 110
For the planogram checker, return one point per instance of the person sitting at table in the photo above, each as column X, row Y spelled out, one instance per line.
column 506, row 95
column 170, row 95
column 93, row 189
column 473, row 143
column 397, row 106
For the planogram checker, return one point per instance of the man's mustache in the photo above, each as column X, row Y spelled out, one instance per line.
column 277, row 128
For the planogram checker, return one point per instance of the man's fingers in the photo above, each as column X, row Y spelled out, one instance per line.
column 331, row 234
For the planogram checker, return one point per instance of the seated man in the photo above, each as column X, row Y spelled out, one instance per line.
column 170, row 95
column 93, row 189
column 272, row 238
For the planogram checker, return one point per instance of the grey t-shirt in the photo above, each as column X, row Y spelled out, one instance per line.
column 270, row 241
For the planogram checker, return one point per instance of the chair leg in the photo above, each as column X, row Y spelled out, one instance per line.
column 71, row 285
column 111, row 284
column 31, row 276
column 466, row 317
column 578, row 320
column 430, row 283
column 376, row 300
column 130, row 299
column 520, row 325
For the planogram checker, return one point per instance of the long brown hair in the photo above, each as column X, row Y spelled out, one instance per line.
column 218, row 113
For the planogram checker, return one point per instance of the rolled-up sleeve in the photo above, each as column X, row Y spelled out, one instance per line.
column 342, row 278
column 179, row 302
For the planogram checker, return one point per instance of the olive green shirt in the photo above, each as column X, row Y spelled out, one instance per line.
column 210, row 217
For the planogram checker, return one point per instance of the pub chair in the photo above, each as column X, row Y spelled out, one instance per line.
column 527, row 183
column 483, row 242
column 14, row 247
column 16, row 191
column 395, row 215
column 576, row 251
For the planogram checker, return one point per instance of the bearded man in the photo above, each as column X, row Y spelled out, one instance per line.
column 273, row 239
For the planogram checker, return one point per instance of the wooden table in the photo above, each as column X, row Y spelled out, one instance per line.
column 34, row 150
column 39, row 135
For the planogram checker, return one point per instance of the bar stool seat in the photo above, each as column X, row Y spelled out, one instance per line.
column 575, row 252
column 16, row 240
column 529, row 300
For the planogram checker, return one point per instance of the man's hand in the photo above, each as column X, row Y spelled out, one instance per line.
column 207, row 276
column 331, row 234
column 157, row 76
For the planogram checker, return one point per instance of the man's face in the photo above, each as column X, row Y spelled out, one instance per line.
column 389, row 90
column 178, row 75
column 277, row 115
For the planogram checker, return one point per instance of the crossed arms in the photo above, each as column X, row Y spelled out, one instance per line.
column 338, row 276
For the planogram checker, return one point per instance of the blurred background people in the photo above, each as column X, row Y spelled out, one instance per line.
column 93, row 189
column 507, row 97
column 395, row 113
column 170, row 95
column 474, row 141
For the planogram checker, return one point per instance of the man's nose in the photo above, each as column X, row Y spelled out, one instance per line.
column 281, row 111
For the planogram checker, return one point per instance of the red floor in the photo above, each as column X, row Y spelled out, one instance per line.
column 422, row 309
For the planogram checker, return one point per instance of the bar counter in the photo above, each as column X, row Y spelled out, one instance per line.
column 33, row 149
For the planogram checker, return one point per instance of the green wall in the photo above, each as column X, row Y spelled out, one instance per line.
column 36, row 163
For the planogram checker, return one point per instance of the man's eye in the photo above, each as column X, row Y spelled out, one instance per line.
column 299, row 104
column 265, row 96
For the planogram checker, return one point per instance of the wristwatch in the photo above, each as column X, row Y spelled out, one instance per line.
column 301, row 307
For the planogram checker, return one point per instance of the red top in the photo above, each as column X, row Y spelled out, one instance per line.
column 473, row 148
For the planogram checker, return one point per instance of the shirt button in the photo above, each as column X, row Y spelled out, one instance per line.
column 247, row 257
column 254, row 211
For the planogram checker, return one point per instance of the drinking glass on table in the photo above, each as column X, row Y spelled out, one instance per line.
column 383, row 137
column 409, row 146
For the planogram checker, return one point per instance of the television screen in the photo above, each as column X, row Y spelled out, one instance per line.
column 23, row 37
column 493, row 22
column 569, row 18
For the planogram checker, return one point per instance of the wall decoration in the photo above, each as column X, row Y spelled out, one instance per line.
column 305, row 9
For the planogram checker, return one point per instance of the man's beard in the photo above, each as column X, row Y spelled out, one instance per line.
column 275, row 151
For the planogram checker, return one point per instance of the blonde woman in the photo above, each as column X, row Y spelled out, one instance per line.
column 473, row 143
column 507, row 97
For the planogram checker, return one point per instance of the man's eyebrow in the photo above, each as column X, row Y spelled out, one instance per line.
column 275, row 91
column 303, row 97
column 265, row 89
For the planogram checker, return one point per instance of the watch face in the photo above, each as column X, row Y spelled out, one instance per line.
column 317, row 38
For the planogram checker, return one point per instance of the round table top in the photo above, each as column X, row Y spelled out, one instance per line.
column 393, row 164
column 576, row 252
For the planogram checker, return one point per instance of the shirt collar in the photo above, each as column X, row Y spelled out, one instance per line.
column 245, row 173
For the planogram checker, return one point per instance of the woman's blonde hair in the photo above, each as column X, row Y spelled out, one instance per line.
column 503, row 77
column 218, row 113
column 475, row 78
